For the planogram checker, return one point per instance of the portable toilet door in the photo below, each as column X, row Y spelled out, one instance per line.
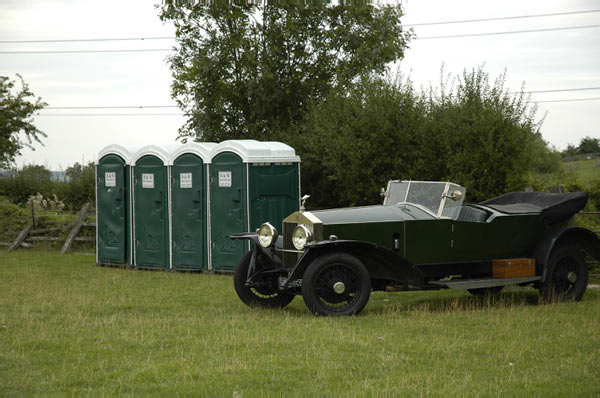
column 113, row 206
column 228, row 203
column 189, row 190
column 250, row 182
column 274, row 186
column 151, row 207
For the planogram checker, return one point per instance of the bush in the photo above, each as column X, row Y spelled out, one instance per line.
column 35, row 180
column 13, row 217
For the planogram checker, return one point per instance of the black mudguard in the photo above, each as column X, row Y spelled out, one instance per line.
column 587, row 239
column 381, row 263
column 269, row 261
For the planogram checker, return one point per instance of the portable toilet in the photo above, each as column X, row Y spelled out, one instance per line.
column 189, row 203
column 113, row 206
column 251, row 182
column 151, row 210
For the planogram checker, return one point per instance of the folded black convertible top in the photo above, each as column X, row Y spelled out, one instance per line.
column 553, row 207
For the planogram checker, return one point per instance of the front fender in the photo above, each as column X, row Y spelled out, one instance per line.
column 381, row 262
column 587, row 239
column 262, row 257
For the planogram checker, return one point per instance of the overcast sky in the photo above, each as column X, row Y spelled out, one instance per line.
column 547, row 60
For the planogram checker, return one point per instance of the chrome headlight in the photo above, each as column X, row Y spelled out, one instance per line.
column 300, row 236
column 267, row 235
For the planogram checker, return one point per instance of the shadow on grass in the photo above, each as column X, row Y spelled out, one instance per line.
column 465, row 303
column 442, row 304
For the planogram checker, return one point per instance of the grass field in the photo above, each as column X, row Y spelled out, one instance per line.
column 67, row 326
column 586, row 170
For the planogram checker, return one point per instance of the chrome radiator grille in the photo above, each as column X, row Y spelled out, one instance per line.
column 289, row 259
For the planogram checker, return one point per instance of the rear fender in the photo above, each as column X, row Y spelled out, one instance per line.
column 585, row 238
column 381, row 263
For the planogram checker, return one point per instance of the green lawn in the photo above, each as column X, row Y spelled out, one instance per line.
column 586, row 170
column 67, row 326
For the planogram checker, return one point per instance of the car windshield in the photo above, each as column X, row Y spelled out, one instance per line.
column 440, row 198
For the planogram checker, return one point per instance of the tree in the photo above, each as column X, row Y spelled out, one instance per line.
column 354, row 141
column 81, row 186
column 588, row 145
column 244, row 71
column 473, row 133
column 16, row 110
column 488, row 139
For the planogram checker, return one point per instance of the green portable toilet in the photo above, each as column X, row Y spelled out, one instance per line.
column 189, row 194
column 151, row 210
column 250, row 182
column 113, row 206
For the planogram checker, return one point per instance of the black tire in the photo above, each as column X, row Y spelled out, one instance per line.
column 486, row 291
column 567, row 275
column 325, row 272
column 263, row 295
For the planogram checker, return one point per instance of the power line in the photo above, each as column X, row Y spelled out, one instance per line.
column 175, row 106
column 111, row 114
column 418, row 38
column 139, row 50
column 508, row 32
column 408, row 25
column 569, row 100
column 112, row 107
column 563, row 90
column 502, row 18
column 182, row 114
column 86, row 40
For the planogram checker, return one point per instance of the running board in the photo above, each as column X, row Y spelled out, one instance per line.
column 463, row 284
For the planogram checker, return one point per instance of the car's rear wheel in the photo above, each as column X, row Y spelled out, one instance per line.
column 566, row 275
column 262, row 292
column 336, row 284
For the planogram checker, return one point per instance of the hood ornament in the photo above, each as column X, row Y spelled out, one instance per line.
column 303, row 201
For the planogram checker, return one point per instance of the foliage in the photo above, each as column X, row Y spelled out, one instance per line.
column 30, row 180
column 589, row 145
column 17, row 108
column 13, row 217
column 34, row 180
column 354, row 141
column 248, row 71
column 81, row 187
column 488, row 138
column 586, row 145
column 474, row 133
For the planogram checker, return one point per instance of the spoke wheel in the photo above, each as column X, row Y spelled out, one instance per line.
column 567, row 275
column 336, row 284
column 263, row 292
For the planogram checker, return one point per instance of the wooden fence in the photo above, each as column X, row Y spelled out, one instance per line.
column 30, row 235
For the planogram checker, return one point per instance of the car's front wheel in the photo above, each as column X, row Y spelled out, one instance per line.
column 567, row 275
column 336, row 284
column 262, row 292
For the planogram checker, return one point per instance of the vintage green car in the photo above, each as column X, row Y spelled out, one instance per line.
column 422, row 238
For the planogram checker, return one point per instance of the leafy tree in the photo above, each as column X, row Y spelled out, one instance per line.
column 354, row 141
column 81, row 186
column 570, row 151
column 16, row 110
column 248, row 71
column 28, row 181
column 588, row 145
column 473, row 133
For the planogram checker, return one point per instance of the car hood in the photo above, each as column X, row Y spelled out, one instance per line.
column 401, row 212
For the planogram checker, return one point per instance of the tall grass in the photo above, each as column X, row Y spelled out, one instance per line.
column 67, row 326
